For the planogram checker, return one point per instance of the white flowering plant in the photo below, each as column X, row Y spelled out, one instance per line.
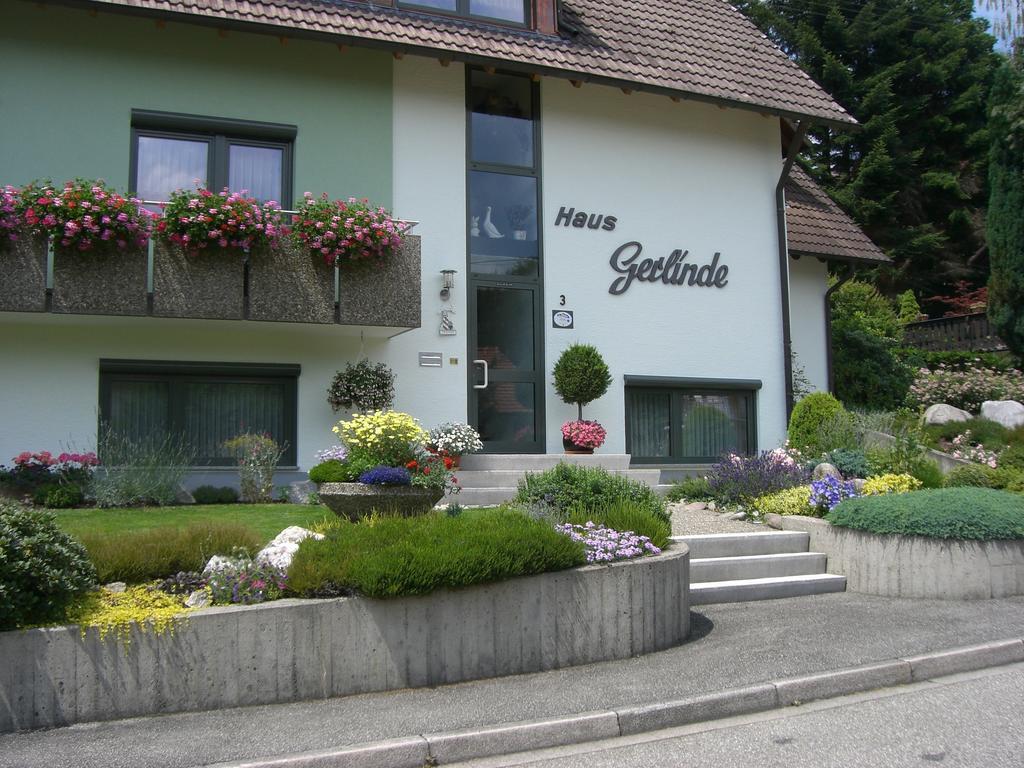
column 455, row 439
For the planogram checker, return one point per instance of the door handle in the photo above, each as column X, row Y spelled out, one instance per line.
column 484, row 364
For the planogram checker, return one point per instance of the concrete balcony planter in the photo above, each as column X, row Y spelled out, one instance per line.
column 357, row 500
column 290, row 284
column 299, row 650
column 102, row 281
column 386, row 294
column 23, row 266
column 207, row 284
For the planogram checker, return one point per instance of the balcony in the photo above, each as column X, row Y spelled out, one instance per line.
column 284, row 284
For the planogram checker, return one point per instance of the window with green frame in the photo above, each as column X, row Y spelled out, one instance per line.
column 689, row 421
column 205, row 403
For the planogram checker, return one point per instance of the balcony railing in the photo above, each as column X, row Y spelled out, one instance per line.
column 963, row 332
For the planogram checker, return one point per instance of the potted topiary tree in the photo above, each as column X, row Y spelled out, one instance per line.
column 581, row 376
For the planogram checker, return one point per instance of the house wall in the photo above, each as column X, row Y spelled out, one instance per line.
column 808, row 281
column 70, row 80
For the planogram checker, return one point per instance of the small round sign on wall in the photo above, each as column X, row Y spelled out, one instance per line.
column 561, row 318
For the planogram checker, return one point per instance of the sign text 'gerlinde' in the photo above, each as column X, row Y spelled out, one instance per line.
column 674, row 270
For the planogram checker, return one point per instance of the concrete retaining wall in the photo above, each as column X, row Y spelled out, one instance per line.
column 293, row 650
column 916, row 566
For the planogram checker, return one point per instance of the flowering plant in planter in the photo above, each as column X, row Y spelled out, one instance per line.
column 431, row 469
column 455, row 439
column 197, row 219
column 584, row 434
column 84, row 215
column 10, row 215
column 385, row 437
column 345, row 231
column 382, row 475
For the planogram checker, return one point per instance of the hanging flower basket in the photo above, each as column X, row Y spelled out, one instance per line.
column 288, row 283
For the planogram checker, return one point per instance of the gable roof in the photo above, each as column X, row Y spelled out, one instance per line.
column 700, row 49
column 816, row 226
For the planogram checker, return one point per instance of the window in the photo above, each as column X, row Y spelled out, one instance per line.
column 675, row 421
column 508, row 11
column 172, row 152
column 206, row 403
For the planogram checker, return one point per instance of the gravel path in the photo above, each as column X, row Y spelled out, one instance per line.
column 690, row 520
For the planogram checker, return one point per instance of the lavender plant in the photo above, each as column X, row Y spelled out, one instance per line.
column 744, row 478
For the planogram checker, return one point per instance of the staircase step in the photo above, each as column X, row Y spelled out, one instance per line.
column 709, row 569
column 744, row 590
column 538, row 462
column 743, row 544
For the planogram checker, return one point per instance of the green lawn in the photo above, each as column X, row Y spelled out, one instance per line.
column 267, row 520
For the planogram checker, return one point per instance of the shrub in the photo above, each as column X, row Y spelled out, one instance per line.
column 382, row 436
column 386, row 476
column 42, row 569
column 982, row 476
column 37, row 474
column 690, row 489
column 566, row 486
column 850, row 463
column 116, row 613
column 138, row 556
column 819, row 424
column 991, row 434
column 880, row 484
column 209, row 494
column 363, row 387
column 334, row 471
column 1012, row 457
column 257, row 456
column 743, row 479
column 966, row 389
column 57, row 496
column 792, row 501
column 395, row 556
column 581, row 375
column 140, row 471
column 867, row 371
column 624, row 516
column 956, row 360
column 945, row 513
column 906, row 456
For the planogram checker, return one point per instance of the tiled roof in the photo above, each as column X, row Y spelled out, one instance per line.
column 703, row 49
column 816, row 226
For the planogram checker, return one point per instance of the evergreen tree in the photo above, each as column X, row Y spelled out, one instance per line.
column 1006, row 208
column 916, row 74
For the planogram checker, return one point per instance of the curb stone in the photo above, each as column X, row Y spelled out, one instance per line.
column 507, row 738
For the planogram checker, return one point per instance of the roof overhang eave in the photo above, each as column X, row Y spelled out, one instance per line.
column 871, row 261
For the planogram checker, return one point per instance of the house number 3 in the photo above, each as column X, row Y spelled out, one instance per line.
column 561, row 300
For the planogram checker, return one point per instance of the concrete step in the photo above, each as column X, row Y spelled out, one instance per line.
column 538, row 462
column 742, row 544
column 744, row 590
column 709, row 569
column 509, row 478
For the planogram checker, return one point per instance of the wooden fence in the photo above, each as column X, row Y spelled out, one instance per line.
column 963, row 332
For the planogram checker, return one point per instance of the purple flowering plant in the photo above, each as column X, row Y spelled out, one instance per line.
column 245, row 581
column 10, row 217
column 828, row 492
column 603, row 545
column 382, row 475
column 743, row 478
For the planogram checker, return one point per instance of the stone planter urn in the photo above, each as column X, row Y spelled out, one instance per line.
column 101, row 281
column 23, row 265
column 357, row 500
column 208, row 284
column 289, row 283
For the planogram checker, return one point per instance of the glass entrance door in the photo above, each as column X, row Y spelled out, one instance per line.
column 506, row 382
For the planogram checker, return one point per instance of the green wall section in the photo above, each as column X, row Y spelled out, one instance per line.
column 70, row 80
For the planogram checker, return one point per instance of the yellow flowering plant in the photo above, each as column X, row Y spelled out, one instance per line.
column 791, row 501
column 890, row 483
column 386, row 438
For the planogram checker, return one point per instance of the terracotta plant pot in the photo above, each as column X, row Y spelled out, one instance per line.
column 357, row 500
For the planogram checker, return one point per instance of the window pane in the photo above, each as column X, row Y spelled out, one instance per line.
column 256, row 170
column 713, row 424
column 441, row 5
column 506, row 413
column 502, row 119
column 217, row 411
column 503, row 224
column 650, row 423
column 505, row 328
column 138, row 410
column 165, row 165
column 506, row 10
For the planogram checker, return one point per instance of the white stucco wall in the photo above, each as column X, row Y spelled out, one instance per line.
column 808, row 281
column 685, row 176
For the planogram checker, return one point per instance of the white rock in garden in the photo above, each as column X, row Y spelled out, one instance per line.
column 824, row 470
column 198, row 599
column 300, row 491
column 858, row 485
column 279, row 552
column 695, row 506
column 182, row 496
column 217, row 563
column 1009, row 413
column 941, row 413
column 115, row 586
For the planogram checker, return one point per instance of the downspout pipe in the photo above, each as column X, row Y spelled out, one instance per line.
column 828, row 325
column 780, row 212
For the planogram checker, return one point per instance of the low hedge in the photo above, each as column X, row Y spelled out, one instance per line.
column 982, row 476
column 566, row 486
column 944, row 513
column 137, row 556
column 398, row 556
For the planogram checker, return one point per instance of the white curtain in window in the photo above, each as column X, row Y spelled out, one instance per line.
column 258, row 171
column 217, row 411
column 713, row 425
column 165, row 165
